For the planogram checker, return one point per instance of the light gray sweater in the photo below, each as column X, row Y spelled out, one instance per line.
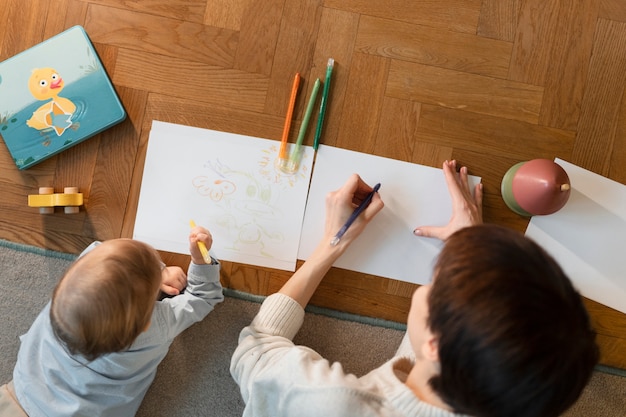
column 50, row 382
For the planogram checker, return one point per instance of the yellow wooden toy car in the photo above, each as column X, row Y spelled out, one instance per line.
column 47, row 200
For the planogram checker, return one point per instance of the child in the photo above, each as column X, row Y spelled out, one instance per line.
column 95, row 348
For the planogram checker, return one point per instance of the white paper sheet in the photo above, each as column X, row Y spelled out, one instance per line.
column 228, row 183
column 414, row 195
column 587, row 236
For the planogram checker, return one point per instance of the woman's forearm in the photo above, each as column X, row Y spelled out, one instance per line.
column 307, row 278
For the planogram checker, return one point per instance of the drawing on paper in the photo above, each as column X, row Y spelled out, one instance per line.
column 214, row 189
column 247, row 203
column 227, row 183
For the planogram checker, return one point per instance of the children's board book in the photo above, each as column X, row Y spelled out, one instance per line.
column 54, row 96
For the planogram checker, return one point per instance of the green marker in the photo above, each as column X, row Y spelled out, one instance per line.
column 294, row 159
column 320, row 119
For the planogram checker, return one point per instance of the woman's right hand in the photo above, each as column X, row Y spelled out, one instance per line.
column 340, row 205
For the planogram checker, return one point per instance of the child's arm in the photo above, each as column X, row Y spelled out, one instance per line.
column 174, row 278
column 203, row 290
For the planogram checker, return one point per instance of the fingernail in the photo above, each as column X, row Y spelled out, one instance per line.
column 417, row 232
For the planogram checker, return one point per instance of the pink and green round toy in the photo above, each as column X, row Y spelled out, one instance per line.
column 535, row 187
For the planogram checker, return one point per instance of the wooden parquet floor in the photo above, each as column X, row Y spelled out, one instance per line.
column 487, row 82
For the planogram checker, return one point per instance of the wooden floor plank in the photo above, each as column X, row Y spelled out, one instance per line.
column 363, row 103
column 401, row 289
column 455, row 15
column 612, row 350
column 604, row 321
column 602, row 99
column 460, row 90
column 429, row 154
column 431, row 46
column 498, row 19
column 204, row 83
column 4, row 28
column 75, row 14
column 16, row 186
column 613, row 10
column 534, row 39
column 64, row 14
column 225, row 14
column 492, row 135
column 56, row 21
column 23, row 27
column 569, row 58
column 187, row 10
column 397, row 129
column 260, row 27
column 210, row 116
column 159, row 35
column 617, row 170
column 109, row 194
column 249, row 279
column 298, row 28
column 130, row 212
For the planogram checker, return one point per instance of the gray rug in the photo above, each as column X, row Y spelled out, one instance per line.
column 194, row 379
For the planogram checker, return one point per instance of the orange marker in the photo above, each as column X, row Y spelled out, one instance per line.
column 282, row 154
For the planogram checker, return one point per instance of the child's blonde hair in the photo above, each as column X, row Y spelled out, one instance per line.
column 105, row 299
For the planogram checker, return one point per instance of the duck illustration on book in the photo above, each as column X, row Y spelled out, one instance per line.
column 56, row 114
column 53, row 96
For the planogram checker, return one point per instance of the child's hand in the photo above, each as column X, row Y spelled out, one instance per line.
column 199, row 234
column 173, row 280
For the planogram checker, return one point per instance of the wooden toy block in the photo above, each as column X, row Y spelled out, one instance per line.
column 47, row 200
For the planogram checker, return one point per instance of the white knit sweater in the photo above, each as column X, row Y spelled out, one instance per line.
column 278, row 378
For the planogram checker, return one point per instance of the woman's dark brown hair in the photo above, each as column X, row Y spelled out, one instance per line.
column 514, row 337
column 105, row 299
